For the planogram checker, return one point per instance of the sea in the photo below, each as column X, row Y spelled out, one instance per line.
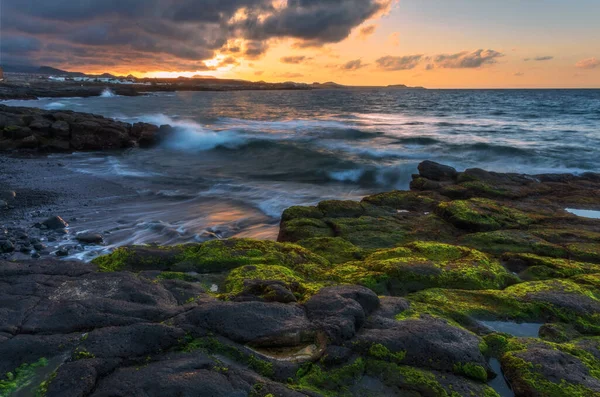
column 237, row 160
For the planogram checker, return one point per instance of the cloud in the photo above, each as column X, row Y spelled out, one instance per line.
column 467, row 60
column 392, row 63
column 367, row 31
column 294, row 59
column 539, row 59
column 259, row 72
column 353, row 65
column 154, row 34
column 519, row 74
column 589, row 63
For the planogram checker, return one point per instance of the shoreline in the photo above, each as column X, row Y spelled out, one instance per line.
column 469, row 283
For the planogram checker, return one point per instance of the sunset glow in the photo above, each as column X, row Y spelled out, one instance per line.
column 431, row 43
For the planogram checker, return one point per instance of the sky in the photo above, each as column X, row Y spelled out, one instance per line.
column 431, row 43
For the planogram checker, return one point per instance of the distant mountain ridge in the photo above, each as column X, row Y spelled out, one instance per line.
column 51, row 71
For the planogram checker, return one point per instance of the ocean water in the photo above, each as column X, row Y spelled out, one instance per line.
column 238, row 159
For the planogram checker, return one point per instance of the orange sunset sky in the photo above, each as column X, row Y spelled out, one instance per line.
column 432, row 43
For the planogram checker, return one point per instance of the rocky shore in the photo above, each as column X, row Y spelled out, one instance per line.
column 62, row 131
column 468, row 279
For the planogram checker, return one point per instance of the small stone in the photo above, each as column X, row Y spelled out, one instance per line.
column 6, row 246
column 36, row 255
column 62, row 252
column 39, row 246
column 90, row 238
column 55, row 223
column 7, row 195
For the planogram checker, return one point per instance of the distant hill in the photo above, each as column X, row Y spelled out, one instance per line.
column 58, row 72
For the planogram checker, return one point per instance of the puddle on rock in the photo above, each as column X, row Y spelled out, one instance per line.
column 584, row 213
column 499, row 383
column 522, row 330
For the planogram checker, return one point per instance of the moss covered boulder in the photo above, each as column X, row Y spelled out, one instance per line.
column 422, row 265
column 212, row 256
column 536, row 368
column 480, row 214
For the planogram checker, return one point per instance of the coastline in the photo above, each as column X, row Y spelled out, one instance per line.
column 465, row 280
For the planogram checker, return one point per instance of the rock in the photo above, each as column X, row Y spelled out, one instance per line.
column 90, row 238
column 6, row 246
column 30, row 142
column 544, row 370
column 426, row 342
column 62, row 252
column 55, row 223
column 8, row 195
column 61, row 129
column 256, row 323
column 3, row 205
column 340, row 311
column 437, row 172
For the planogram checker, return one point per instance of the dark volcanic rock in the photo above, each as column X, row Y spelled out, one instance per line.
column 437, row 172
column 55, row 223
column 36, row 129
column 90, row 238
column 340, row 311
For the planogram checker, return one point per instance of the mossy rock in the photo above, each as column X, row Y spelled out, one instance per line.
column 369, row 232
column 212, row 256
column 237, row 280
column 480, row 215
column 296, row 229
column 548, row 369
column 585, row 251
column 536, row 301
column 341, row 209
column 334, row 249
column 402, row 200
column 517, row 241
column 534, row 267
column 371, row 376
column 298, row 212
column 422, row 265
column 22, row 379
column 475, row 188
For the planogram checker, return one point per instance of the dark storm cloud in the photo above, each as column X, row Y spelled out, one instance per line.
column 179, row 31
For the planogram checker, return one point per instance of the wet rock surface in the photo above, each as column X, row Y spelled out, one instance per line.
column 389, row 296
column 33, row 129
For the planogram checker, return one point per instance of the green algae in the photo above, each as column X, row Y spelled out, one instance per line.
column 331, row 382
column 422, row 265
column 21, row 377
column 299, row 285
column 482, row 215
column 212, row 256
column 335, row 249
column 528, row 301
column 543, row 268
column 528, row 376
column 380, row 352
column 471, row 370
column 516, row 241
